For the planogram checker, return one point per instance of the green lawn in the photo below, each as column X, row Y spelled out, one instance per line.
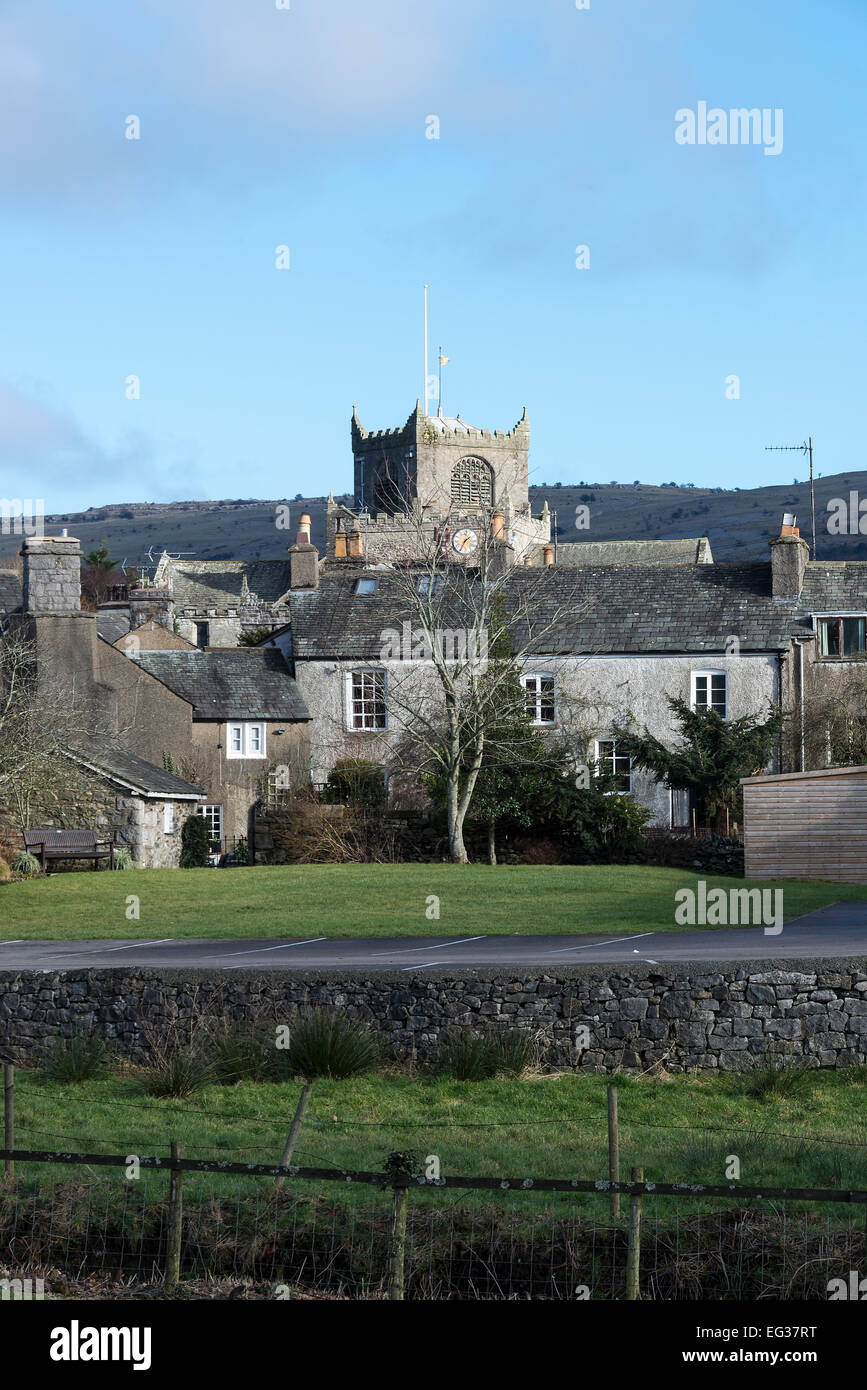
column 369, row 900
column 677, row 1128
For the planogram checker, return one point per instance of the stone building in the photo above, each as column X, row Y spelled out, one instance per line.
column 197, row 728
column 434, row 472
column 214, row 602
column 616, row 639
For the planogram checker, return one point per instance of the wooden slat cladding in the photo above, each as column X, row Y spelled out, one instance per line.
column 807, row 826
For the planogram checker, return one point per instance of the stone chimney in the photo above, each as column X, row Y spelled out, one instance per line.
column 789, row 556
column 356, row 545
column 52, row 574
column 303, row 559
column 548, row 553
column 150, row 605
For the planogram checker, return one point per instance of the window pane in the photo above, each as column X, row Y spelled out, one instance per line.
column 368, row 700
column 853, row 636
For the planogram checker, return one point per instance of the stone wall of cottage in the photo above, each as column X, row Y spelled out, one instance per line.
column 135, row 823
column 678, row 1018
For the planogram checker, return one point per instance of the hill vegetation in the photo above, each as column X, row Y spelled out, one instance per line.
column 738, row 522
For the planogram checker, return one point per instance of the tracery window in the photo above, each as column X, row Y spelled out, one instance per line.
column 472, row 482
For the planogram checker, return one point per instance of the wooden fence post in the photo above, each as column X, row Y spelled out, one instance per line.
column 397, row 1252
column 291, row 1138
column 633, row 1254
column 613, row 1150
column 9, row 1115
column 176, row 1222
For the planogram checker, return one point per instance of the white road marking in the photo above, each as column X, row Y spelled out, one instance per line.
column 105, row 950
column 593, row 944
column 157, row 941
column 260, row 950
column 410, row 950
column 422, row 965
column 16, row 941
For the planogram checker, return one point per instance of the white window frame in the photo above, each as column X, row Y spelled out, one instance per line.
column 603, row 758
column 365, row 700
column 242, row 737
column 532, row 683
column 212, row 814
column 168, row 818
column 707, row 674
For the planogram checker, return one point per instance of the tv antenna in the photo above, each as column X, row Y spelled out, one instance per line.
column 807, row 449
column 172, row 554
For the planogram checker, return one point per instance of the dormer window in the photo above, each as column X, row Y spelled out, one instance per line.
column 842, row 637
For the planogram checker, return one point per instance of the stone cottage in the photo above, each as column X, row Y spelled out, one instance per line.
column 195, row 728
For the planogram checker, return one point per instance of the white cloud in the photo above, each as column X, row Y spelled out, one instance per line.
column 43, row 453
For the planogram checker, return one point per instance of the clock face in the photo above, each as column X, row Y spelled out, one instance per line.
column 465, row 541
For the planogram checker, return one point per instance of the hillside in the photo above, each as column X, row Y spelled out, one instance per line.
column 738, row 523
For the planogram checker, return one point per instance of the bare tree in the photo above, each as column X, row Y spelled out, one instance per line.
column 44, row 728
column 446, row 695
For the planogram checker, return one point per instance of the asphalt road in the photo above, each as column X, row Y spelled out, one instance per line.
column 840, row 930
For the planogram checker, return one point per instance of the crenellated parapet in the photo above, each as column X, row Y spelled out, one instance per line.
column 434, row 461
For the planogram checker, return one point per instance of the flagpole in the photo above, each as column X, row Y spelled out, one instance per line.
column 440, row 402
column 425, row 391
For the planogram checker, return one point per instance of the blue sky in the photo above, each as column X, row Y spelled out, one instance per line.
column 306, row 127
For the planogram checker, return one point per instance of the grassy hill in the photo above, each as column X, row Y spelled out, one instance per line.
column 739, row 522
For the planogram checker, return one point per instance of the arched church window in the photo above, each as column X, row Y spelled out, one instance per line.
column 472, row 482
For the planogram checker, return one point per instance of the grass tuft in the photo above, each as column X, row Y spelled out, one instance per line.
column 331, row 1045
column 73, row 1060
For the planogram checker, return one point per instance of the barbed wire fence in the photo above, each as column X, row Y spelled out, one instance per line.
column 399, row 1234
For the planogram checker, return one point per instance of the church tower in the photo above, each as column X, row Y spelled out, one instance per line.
column 432, row 472
column 437, row 462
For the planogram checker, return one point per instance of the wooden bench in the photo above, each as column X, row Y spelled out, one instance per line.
column 68, row 844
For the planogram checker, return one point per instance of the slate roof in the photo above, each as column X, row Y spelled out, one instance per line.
column 10, row 591
column 125, row 767
column 694, row 551
column 592, row 609
column 111, row 626
column 230, row 682
column 218, row 583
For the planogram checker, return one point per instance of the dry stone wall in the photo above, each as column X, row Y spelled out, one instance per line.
column 707, row 1016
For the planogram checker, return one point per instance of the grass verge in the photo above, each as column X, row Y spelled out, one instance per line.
column 371, row 900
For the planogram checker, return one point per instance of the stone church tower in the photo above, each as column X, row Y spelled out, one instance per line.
column 436, row 469
column 438, row 462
